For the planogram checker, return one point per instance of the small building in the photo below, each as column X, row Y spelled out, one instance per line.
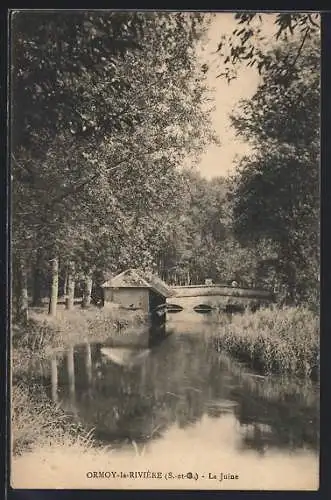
column 136, row 290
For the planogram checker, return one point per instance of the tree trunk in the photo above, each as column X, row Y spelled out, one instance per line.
column 86, row 300
column 65, row 284
column 37, row 279
column 70, row 287
column 54, row 286
column 22, row 304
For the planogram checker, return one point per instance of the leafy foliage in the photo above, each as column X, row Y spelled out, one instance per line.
column 276, row 190
column 246, row 45
column 105, row 109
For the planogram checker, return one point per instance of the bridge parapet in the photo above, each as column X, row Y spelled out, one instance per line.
column 222, row 291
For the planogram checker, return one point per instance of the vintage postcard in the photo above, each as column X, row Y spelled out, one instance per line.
column 165, row 250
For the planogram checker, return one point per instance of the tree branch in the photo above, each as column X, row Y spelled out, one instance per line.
column 299, row 50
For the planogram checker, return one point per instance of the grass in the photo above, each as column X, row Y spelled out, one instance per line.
column 281, row 341
column 72, row 326
column 38, row 421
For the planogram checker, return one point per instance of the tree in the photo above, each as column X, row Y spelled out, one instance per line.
column 69, row 71
column 54, row 55
column 97, row 100
column 276, row 190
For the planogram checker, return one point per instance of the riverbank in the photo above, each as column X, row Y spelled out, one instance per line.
column 282, row 341
column 37, row 421
column 43, row 334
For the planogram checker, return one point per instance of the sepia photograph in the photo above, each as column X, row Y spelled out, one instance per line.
column 165, row 249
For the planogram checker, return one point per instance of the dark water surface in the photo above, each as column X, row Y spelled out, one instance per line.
column 181, row 397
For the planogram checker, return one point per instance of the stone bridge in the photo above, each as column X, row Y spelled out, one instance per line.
column 223, row 298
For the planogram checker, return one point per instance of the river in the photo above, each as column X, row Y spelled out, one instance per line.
column 192, row 415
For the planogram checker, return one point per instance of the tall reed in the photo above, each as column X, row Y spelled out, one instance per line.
column 274, row 340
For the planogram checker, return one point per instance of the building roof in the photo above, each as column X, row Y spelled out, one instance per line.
column 132, row 278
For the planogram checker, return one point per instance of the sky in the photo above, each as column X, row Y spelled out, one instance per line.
column 220, row 160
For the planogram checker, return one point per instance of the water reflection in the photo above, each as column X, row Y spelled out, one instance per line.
column 125, row 356
column 137, row 395
column 54, row 379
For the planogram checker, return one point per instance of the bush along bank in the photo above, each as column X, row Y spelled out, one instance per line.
column 281, row 341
